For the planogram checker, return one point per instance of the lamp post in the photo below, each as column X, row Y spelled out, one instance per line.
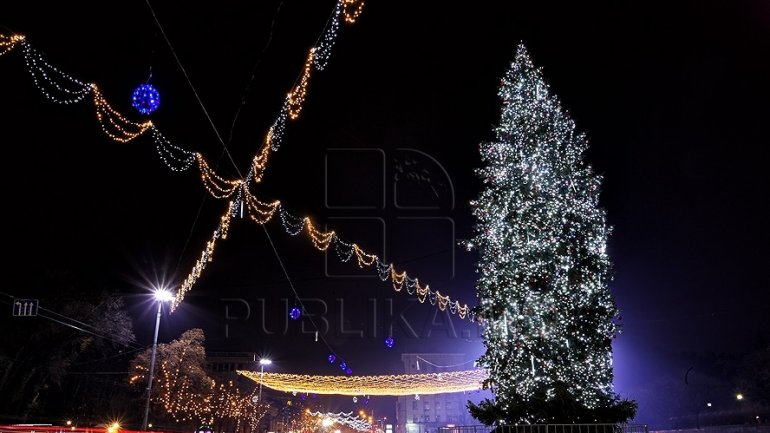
column 262, row 363
column 160, row 295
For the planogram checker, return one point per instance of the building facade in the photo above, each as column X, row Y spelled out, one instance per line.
column 426, row 413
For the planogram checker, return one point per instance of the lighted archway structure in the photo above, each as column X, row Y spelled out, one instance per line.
column 394, row 385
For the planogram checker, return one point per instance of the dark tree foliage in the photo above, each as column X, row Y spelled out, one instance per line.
column 56, row 365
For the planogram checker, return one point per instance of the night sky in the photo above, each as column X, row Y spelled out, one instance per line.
column 673, row 99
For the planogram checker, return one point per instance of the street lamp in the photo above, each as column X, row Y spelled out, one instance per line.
column 262, row 363
column 160, row 295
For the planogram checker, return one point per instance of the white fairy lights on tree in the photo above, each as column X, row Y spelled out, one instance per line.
column 543, row 264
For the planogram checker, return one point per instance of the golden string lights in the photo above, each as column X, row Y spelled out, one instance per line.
column 216, row 185
column 115, row 124
column 262, row 212
column 317, row 58
column 392, row 385
column 351, row 9
column 296, row 98
column 8, row 42
column 187, row 393
column 63, row 88
column 206, row 255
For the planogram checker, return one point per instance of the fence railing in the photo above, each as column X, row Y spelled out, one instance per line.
column 548, row 428
column 740, row 428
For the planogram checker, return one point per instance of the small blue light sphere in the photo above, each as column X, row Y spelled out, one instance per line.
column 331, row 358
column 348, row 371
column 146, row 99
column 389, row 342
column 295, row 313
column 343, row 366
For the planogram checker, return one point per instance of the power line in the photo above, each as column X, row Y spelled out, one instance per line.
column 224, row 147
column 78, row 328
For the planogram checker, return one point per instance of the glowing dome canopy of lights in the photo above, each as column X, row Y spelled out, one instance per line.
column 393, row 385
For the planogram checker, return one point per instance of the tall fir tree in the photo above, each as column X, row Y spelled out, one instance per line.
column 548, row 314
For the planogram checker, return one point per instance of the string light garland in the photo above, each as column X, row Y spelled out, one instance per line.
column 115, row 124
column 119, row 128
column 351, row 9
column 216, row 185
column 344, row 418
column 186, row 392
column 176, row 158
column 262, row 212
column 206, row 255
column 63, row 88
column 317, row 58
column 146, row 98
column 296, row 98
column 8, row 42
column 54, row 84
column 390, row 385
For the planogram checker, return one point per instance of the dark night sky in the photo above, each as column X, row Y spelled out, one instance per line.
column 672, row 97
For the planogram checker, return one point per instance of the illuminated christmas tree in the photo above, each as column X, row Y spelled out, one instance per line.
column 548, row 314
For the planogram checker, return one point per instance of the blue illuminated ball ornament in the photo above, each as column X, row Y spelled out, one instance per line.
column 294, row 313
column 348, row 371
column 331, row 358
column 145, row 99
column 343, row 366
column 389, row 342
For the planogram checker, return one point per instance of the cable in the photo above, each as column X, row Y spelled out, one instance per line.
column 224, row 147
column 253, row 75
column 211, row 122
column 57, row 314
column 117, row 355
column 296, row 295
column 443, row 366
column 86, row 331
column 103, row 336
column 187, row 77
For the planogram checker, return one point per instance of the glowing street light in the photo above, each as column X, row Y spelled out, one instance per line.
column 161, row 295
column 262, row 363
column 739, row 396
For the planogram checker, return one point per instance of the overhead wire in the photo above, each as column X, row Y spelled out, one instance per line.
column 211, row 122
column 253, row 76
column 73, row 326
column 224, row 147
